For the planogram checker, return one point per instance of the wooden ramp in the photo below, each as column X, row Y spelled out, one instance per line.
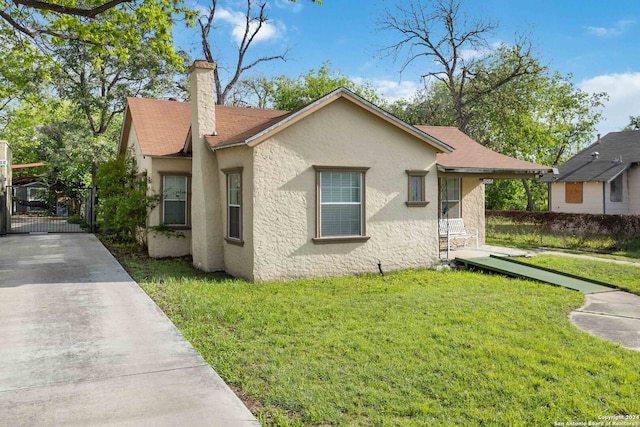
column 521, row 270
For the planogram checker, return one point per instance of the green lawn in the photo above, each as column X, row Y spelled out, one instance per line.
column 623, row 276
column 504, row 232
column 412, row 348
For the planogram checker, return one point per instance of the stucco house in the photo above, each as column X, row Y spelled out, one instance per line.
column 604, row 178
column 337, row 187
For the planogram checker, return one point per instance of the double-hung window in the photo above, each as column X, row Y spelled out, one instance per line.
column 234, row 205
column 174, row 200
column 341, row 204
column 417, row 192
column 450, row 198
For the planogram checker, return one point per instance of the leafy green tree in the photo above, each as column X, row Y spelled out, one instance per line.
column 123, row 202
column 289, row 94
column 431, row 105
column 99, row 82
column 98, row 23
column 70, row 148
column 634, row 123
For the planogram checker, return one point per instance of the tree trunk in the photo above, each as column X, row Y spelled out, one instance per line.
column 530, row 204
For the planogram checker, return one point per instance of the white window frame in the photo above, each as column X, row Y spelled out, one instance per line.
column 168, row 199
column 231, row 236
column 444, row 190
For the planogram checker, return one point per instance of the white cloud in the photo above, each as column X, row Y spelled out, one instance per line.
column 392, row 90
column 294, row 7
column 624, row 98
column 614, row 31
column 270, row 30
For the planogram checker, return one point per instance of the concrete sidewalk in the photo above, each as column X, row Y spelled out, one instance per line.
column 82, row 345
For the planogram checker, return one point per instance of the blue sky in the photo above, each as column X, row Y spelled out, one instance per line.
column 598, row 42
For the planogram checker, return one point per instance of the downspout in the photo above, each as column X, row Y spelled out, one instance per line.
column 604, row 198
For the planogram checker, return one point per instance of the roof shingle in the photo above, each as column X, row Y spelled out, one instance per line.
column 161, row 126
column 469, row 154
column 616, row 152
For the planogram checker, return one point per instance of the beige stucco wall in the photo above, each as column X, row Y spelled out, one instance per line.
column 206, row 216
column 591, row 199
column 238, row 260
column 284, row 197
column 473, row 206
column 162, row 244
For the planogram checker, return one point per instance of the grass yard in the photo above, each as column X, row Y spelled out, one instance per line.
column 504, row 232
column 624, row 276
column 412, row 348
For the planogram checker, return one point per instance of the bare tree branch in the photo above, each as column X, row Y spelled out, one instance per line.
column 68, row 10
column 438, row 31
column 253, row 24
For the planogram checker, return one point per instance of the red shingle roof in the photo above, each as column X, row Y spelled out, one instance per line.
column 469, row 154
column 161, row 126
column 235, row 124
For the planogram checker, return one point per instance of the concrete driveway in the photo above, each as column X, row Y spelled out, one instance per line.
column 82, row 345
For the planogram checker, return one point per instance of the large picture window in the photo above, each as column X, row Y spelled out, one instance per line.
column 174, row 200
column 341, row 203
column 234, row 205
column 450, row 198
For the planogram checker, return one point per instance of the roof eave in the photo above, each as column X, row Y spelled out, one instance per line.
column 494, row 171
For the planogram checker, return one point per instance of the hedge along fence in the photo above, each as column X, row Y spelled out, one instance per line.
column 618, row 227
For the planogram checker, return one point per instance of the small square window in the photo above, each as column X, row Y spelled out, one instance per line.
column 417, row 190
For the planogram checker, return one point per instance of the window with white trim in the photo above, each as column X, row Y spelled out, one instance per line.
column 174, row 200
column 341, row 196
column 449, row 197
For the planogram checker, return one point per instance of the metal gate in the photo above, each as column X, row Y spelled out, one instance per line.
column 38, row 208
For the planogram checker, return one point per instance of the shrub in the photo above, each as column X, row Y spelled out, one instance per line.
column 123, row 201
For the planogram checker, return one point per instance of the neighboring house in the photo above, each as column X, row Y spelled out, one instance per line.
column 29, row 194
column 604, row 178
column 5, row 183
column 336, row 187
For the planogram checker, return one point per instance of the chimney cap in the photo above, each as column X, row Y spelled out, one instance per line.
column 202, row 64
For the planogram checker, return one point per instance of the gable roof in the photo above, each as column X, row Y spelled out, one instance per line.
column 268, row 125
column 471, row 157
column 616, row 152
column 161, row 126
column 237, row 124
